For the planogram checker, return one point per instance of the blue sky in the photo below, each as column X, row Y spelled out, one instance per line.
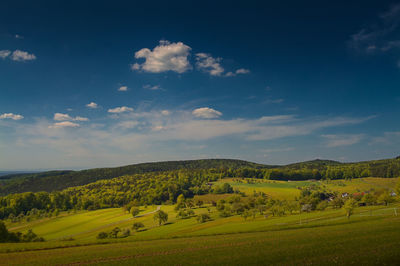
column 101, row 83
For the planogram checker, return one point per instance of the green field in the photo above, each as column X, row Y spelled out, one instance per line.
column 321, row 238
column 289, row 189
column 371, row 236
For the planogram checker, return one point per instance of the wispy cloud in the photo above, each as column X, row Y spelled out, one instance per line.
column 123, row 88
column 152, row 87
column 388, row 138
column 379, row 37
column 64, row 124
column 332, row 141
column 147, row 133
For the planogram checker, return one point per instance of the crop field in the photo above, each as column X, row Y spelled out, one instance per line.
column 321, row 238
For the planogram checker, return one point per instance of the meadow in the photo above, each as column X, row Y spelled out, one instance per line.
column 321, row 237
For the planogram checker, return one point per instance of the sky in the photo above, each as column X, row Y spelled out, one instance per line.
column 88, row 84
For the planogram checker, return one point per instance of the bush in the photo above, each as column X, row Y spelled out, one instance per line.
column 202, row 218
column 125, row 232
column 102, row 235
column 136, row 226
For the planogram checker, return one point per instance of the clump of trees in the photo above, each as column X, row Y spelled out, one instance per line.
column 6, row 236
column 115, row 233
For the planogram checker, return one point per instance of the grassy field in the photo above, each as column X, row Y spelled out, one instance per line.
column 371, row 236
column 322, row 238
column 289, row 189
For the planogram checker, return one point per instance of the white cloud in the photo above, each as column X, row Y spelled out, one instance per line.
column 19, row 55
column 67, row 117
column 11, row 116
column 148, row 136
column 153, row 88
column 164, row 57
column 121, row 109
column 242, row 71
column 123, row 88
column 92, row 105
column 237, row 72
column 4, row 53
column 64, row 124
column 61, row 117
column 165, row 112
column 206, row 112
column 209, row 64
column 17, row 36
column 333, row 141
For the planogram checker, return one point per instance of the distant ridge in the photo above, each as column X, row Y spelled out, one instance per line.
column 58, row 180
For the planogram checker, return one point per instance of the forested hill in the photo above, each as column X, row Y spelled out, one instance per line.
column 316, row 169
column 58, row 180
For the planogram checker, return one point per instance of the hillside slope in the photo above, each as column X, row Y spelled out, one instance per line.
column 58, row 180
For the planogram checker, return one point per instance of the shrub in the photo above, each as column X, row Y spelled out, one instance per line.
column 136, row 226
column 102, row 235
column 202, row 218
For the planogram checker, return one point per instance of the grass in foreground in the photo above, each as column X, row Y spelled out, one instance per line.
column 362, row 240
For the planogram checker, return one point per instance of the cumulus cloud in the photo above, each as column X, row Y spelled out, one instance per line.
column 123, row 88
column 4, row 53
column 164, row 57
column 92, row 105
column 11, row 116
column 121, row 109
column 206, row 112
column 64, row 124
column 19, row 55
column 61, row 117
column 333, row 141
column 209, row 64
